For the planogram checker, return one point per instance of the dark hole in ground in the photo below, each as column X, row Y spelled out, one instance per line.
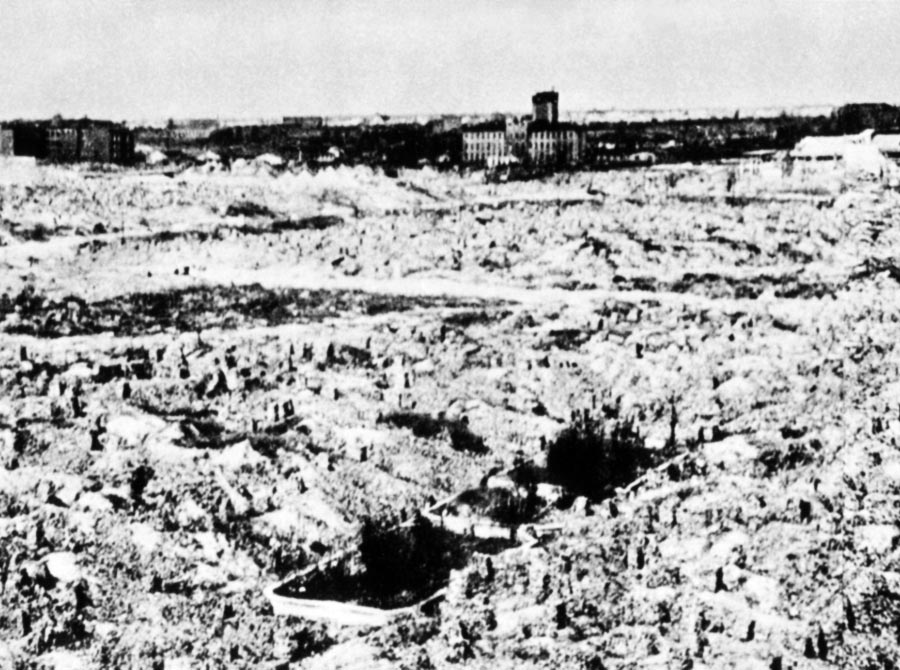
column 398, row 565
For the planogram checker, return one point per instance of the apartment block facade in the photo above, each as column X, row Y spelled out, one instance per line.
column 539, row 140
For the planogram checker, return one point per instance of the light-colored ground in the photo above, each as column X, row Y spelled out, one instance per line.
column 749, row 316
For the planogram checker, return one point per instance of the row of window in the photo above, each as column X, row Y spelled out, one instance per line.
column 470, row 136
column 537, row 155
column 483, row 144
column 489, row 134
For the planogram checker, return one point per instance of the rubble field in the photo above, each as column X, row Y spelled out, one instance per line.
column 209, row 382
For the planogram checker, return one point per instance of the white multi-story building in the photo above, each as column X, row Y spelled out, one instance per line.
column 484, row 144
column 539, row 139
column 555, row 144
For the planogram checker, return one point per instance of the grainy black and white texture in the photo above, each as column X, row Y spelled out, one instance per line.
column 291, row 384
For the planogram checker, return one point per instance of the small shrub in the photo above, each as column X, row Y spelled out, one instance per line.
column 588, row 462
column 463, row 439
column 421, row 425
column 359, row 357
column 398, row 565
column 38, row 233
column 202, row 433
column 247, row 208
column 504, row 506
column 776, row 459
column 466, row 319
column 403, row 564
column 398, row 559
column 566, row 339
column 308, row 641
column 426, row 426
column 268, row 445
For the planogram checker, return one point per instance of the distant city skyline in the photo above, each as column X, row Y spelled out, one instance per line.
column 151, row 59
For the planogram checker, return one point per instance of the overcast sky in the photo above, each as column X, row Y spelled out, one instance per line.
column 232, row 58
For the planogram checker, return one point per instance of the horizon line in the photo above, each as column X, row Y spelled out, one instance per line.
column 132, row 120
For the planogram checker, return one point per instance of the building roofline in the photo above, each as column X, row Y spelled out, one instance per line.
column 486, row 126
column 541, row 125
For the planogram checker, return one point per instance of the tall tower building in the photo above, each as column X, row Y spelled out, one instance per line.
column 546, row 106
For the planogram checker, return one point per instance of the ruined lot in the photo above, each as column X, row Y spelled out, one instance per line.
column 202, row 377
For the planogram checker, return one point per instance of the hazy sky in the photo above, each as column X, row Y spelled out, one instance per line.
column 158, row 58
